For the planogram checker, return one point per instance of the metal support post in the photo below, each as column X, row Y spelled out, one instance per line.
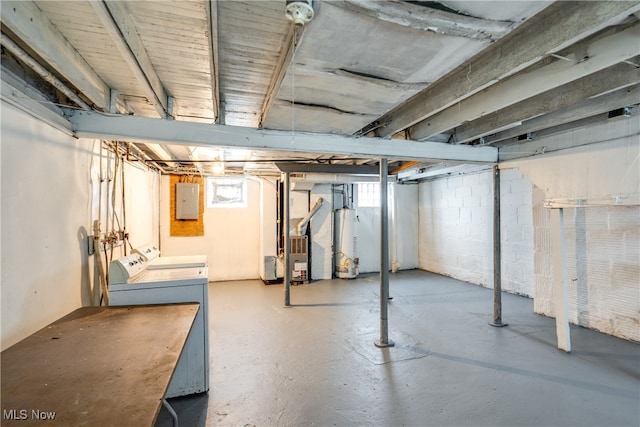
column 384, row 340
column 497, row 263
column 287, row 243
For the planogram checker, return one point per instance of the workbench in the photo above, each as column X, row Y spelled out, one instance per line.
column 97, row 366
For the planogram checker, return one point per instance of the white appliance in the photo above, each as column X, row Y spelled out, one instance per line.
column 132, row 283
column 347, row 260
column 299, row 258
column 151, row 255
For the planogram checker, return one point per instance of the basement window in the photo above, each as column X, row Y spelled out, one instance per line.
column 226, row 192
column 369, row 194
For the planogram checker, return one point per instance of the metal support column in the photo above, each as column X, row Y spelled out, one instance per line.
column 497, row 263
column 287, row 243
column 384, row 340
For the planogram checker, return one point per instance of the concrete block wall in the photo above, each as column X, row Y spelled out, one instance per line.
column 602, row 243
column 456, row 229
column 516, row 232
column 543, row 272
column 603, row 269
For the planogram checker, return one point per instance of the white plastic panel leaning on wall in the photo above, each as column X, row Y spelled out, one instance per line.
column 403, row 235
column 322, row 233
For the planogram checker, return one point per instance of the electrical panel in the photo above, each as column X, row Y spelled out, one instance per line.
column 187, row 200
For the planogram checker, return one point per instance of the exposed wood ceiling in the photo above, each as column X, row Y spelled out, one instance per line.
column 455, row 76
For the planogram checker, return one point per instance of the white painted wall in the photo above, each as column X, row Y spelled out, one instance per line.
column 231, row 238
column 603, row 244
column 45, row 218
column 455, row 229
column 50, row 185
column 403, row 226
column 142, row 199
column 516, row 233
column 138, row 215
column 268, row 223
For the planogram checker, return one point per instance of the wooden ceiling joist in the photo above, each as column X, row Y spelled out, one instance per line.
column 27, row 22
column 553, row 29
column 118, row 23
column 602, row 53
column 607, row 80
column 588, row 108
column 288, row 49
column 212, row 19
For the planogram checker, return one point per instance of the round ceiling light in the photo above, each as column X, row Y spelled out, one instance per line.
column 299, row 11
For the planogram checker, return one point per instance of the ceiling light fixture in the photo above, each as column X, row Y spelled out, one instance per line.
column 218, row 168
column 299, row 11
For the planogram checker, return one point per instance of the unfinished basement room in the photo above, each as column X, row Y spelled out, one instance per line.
column 320, row 213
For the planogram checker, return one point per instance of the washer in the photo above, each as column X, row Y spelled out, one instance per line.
column 151, row 255
column 132, row 283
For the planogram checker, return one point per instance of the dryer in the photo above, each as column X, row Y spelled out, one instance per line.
column 151, row 255
column 131, row 282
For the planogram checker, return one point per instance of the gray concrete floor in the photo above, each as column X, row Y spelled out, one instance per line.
column 315, row 364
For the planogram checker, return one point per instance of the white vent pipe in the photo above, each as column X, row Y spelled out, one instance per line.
column 301, row 228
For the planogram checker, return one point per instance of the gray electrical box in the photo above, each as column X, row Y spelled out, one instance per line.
column 187, row 201
column 270, row 268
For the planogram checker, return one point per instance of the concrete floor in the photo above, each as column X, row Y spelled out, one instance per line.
column 315, row 364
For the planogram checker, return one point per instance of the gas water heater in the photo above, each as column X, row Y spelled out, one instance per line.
column 346, row 240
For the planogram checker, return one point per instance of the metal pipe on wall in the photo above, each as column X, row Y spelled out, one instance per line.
column 497, row 263
column 384, row 340
column 287, row 243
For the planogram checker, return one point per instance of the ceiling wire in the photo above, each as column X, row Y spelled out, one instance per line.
column 294, row 41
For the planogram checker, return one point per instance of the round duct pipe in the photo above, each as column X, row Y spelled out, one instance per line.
column 299, row 11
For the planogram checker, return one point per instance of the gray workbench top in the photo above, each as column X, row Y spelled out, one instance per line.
column 97, row 366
